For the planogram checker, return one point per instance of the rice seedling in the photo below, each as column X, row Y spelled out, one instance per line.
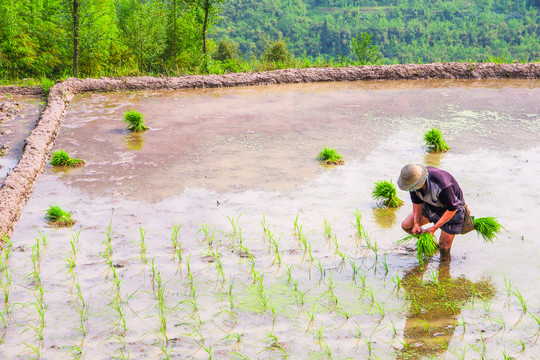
column 535, row 318
column 236, row 230
column 385, row 264
column 434, row 141
column 522, row 301
column 327, row 228
column 264, row 225
column 174, row 236
column 425, row 245
column 487, row 227
column 62, row 158
column 272, row 344
column 134, row 121
column 56, row 216
column 143, row 246
column 360, row 230
column 386, row 192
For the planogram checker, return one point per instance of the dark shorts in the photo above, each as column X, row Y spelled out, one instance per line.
column 453, row 226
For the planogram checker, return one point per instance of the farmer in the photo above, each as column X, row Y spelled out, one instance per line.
column 438, row 199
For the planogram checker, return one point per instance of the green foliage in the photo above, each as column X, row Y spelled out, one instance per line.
column 277, row 52
column 330, row 155
column 62, row 158
column 488, row 228
column 134, row 121
column 434, row 140
column 386, row 191
column 226, row 50
column 426, row 245
column 46, row 84
column 57, row 216
column 365, row 51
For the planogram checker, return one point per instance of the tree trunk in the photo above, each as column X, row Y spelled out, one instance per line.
column 174, row 29
column 205, row 24
column 75, row 10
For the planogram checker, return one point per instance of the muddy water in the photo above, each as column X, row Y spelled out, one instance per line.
column 225, row 159
column 15, row 128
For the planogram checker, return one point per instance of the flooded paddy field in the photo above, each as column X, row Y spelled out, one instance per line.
column 18, row 116
column 217, row 235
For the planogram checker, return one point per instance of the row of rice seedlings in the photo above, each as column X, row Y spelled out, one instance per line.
column 62, row 158
column 79, row 304
column 6, row 274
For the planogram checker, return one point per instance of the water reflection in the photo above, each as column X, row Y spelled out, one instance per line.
column 385, row 217
column 434, row 158
column 435, row 304
column 134, row 141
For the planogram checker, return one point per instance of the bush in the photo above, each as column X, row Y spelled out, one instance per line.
column 226, row 50
column 365, row 51
column 277, row 53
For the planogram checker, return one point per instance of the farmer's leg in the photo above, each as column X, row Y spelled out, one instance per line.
column 408, row 224
column 445, row 243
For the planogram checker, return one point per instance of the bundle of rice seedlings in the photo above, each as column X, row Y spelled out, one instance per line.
column 134, row 121
column 330, row 156
column 386, row 191
column 487, row 227
column 61, row 158
column 434, row 141
column 58, row 217
column 426, row 245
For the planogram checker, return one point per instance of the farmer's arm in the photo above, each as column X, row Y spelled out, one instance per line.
column 450, row 202
column 443, row 220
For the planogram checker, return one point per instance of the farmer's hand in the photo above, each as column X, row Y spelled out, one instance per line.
column 416, row 229
column 430, row 230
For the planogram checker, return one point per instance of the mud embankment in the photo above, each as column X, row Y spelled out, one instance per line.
column 18, row 184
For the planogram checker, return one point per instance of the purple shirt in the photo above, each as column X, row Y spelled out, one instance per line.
column 442, row 191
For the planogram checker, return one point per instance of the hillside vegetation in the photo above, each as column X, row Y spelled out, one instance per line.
column 404, row 30
column 90, row 38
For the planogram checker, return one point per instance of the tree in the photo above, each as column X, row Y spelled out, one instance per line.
column 365, row 51
column 74, row 10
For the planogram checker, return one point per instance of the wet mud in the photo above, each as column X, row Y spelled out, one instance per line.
column 19, row 182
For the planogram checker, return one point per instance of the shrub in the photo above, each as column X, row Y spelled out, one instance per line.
column 134, row 121
column 277, row 53
column 226, row 50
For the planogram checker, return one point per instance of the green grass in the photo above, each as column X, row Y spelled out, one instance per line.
column 330, row 156
column 488, row 228
column 426, row 245
column 434, row 141
column 57, row 216
column 62, row 158
column 386, row 191
column 134, row 121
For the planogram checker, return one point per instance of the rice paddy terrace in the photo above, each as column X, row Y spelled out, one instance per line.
column 216, row 234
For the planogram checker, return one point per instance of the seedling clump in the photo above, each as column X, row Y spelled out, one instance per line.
column 425, row 245
column 58, row 217
column 134, row 121
column 62, row 158
column 434, row 141
column 386, row 191
column 330, row 157
column 487, row 227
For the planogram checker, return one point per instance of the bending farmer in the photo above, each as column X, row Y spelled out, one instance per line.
column 438, row 199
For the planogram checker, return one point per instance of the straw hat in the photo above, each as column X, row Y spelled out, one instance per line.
column 412, row 177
